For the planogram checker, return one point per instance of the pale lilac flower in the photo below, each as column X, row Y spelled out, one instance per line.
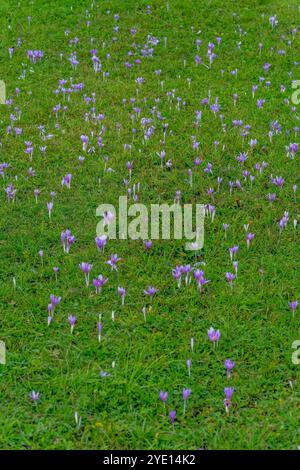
column 101, row 242
column 229, row 365
column 86, row 269
column 99, row 282
column 230, row 278
column 213, row 335
column 113, row 261
column 150, row 292
column 228, row 394
column 293, row 306
column 122, row 294
column 35, row 396
column 72, row 321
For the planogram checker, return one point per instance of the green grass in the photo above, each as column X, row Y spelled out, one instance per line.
column 123, row 410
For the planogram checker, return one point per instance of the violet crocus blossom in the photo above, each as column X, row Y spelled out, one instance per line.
column 186, row 392
column 293, row 306
column 72, row 321
column 66, row 181
column 49, row 207
column 99, row 328
column 172, row 415
column 150, row 292
column 200, row 279
column 54, row 299
column 213, row 335
column 163, row 396
column 148, row 244
column 101, row 242
column 67, row 240
column 249, row 237
column 122, row 294
column 86, row 269
column 228, row 396
column 34, row 396
column 99, row 282
column 229, row 365
column 113, row 262
column 230, row 278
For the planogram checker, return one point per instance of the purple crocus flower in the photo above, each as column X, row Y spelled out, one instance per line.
column 86, row 269
column 99, row 328
column 66, row 181
column 122, row 294
column 148, row 244
column 99, row 282
column 229, row 365
column 54, row 299
column 113, row 261
column 213, row 335
column 150, row 292
column 172, row 415
column 293, row 306
column 185, row 395
column 72, row 321
column 163, row 396
column 200, row 279
column 230, row 278
column 35, row 396
column 249, row 237
column 228, row 396
column 50, row 207
column 101, row 242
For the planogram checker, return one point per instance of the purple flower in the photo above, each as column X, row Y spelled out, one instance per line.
column 148, row 244
column 163, row 396
column 228, row 396
column 185, row 395
column 150, row 291
column 101, row 242
column 200, row 279
column 249, row 237
column 113, row 262
column 99, row 328
column 293, row 306
column 66, row 181
column 172, row 415
column 35, row 396
column 122, row 294
column 86, row 269
column 230, row 278
column 213, row 335
column 229, row 365
column 54, row 300
column 99, row 282
column 72, row 321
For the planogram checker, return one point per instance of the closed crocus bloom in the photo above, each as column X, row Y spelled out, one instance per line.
column 293, row 306
column 229, row 365
column 172, row 415
column 230, row 278
column 86, row 269
column 72, row 321
column 122, row 293
column 249, row 237
column 228, row 396
column 101, row 242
